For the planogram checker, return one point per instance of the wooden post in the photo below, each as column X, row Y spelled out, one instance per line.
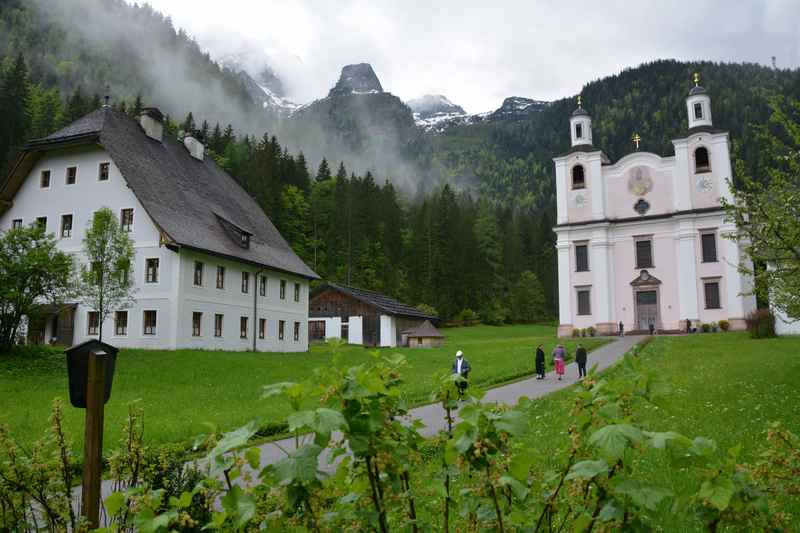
column 93, row 437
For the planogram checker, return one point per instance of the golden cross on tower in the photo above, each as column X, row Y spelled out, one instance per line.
column 696, row 78
column 636, row 140
column 579, row 100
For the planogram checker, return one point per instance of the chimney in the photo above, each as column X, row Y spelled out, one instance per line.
column 195, row 147
column 152, row 122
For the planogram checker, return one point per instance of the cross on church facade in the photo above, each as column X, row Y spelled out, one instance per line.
column 636, row 140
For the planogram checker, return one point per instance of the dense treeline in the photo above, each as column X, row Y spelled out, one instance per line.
column 447, row 250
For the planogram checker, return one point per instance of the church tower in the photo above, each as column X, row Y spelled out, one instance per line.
column 580, row 124
column 698, row 105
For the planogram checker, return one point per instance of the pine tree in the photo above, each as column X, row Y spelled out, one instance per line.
column 77, row 105
column 137, row 107
column 324, row 172
column 14, row 105
column 188, row 126
column 342, row 172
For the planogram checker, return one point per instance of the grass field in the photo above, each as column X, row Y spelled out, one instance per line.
column 725, row 386
column 182, row 390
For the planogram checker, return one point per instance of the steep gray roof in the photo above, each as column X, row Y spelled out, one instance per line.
column 184, row 196
column 425, row 329
column 382, row 302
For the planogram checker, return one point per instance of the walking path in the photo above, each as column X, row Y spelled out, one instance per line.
column 433, row 416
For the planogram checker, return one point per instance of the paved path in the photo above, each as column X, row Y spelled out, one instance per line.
column 433, row 416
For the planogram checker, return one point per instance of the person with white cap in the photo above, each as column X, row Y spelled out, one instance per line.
column 461, row 366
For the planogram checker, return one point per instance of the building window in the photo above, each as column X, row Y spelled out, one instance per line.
column 44, row 179
column 220, row 277
column 151, row 270
column 197, row 321
column 262, row 286
column 281, row 328
column 296, row 331
column 712, row 294
column 581, row 258
column 126, row 220
column 92, row 322
column 262, row 328
column 218, row 325
column 584, row 302
column 66, row 226
column 578, row 178
column 698, row 111
column 701, row 161
column 102, row 171
column 283, row 289
column 245, row 240
column 198, row 274
column 243, row 327
column 72, row 175
column 709, row 244
column 16, row 223
column 41, row 222
column 579, row 131
column 296, row 292
column 245, row 282
column 149, row 322
column 124, row 274
column 121, row 323
column 644, row 253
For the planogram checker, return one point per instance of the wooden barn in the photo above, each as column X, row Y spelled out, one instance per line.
column 423, row 336
column 360, row 316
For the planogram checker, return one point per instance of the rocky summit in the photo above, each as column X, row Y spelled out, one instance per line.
column 515, row 107
column 357, row 79
column 434, row 104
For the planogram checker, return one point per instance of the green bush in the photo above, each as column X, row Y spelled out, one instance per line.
column 724, row 325
column 576, row 333
column 705, row 328
column 591, row 331
column 429, row 309
column 467, row 317
column 761, row 324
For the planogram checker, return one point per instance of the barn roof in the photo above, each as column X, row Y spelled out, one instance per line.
column 426, row 329
column 390, row 306
column 191, row 201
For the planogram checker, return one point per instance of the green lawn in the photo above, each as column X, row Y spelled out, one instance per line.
column 725, row 386
column 180, row 391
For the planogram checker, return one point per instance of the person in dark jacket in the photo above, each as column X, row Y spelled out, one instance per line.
column 539, row 362
column 621, row 329
column 580, row 358
column 461, row 366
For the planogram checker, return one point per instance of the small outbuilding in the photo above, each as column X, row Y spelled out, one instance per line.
column 423, row 336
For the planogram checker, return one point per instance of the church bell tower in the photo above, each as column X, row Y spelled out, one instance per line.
column 698, row 105
column 580, row 124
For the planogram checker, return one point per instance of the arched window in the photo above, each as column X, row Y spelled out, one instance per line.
column 578, row 179
column 701, row 162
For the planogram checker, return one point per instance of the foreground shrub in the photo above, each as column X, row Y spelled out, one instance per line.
column 724, row 325
column 705, row 328
column 761, row 324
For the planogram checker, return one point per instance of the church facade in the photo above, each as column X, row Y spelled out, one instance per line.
column 642, row 241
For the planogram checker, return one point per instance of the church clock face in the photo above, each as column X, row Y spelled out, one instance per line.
column 639, row 181
column 704, row 184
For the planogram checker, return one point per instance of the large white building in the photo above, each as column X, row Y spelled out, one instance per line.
column 641, row 240
column 211, row 270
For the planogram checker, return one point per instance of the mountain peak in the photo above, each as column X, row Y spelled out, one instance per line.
column 432, row 104
column 518, row 107
column 357, row 79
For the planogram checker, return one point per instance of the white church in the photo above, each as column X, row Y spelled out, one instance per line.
column 211, row 271
column 641, row 241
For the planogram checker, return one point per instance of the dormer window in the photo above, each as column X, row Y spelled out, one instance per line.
column 245, row 240
column 579, row 131
column 237, row 233
column 578, row 178
column 698, row 111
column 701, row 160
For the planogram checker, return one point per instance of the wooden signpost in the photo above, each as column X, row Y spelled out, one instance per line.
column 93, row 437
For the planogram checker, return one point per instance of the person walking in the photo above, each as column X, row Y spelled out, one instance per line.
column 580, row 358
column 461, row 366
column 559, row 354
column 652, row 327
column 621, row 329
column 539, row 362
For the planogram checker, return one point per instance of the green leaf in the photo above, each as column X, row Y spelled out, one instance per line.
column 610, row 411
column 610, row 512
column 240, row 505
column 642, row 495
column 470, row 414
column 702, row 447
column 328, row 420
column 300, row 420
column 588, row 469
column 521, row 464
column 276, row 389
column 253, row 457
column 581, row 523
column 233, row 439
column 464, row 436
column 114, row 503
column 660, row 441
column 612, row 440
column 520, row 491
column 300, row 466
column 512, row 422
column 718, row 492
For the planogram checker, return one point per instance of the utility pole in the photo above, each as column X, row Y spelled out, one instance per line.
column 93, row 437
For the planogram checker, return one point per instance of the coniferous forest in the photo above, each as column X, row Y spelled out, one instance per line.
column 475, row 236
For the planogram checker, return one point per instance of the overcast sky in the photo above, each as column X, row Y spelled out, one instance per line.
column 478, row 52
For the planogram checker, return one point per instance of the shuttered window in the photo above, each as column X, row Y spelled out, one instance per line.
column 644, row 253
column 584, row 302
column 582, row 258
column 709, row 242
column 712, row 294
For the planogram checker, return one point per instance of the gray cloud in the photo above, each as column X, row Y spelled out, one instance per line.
column 477, row 53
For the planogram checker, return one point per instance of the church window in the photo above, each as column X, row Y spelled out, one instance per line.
column 698, row 111
column 644, row 253
column 584, row 302
column 701, row 162
column 197, row 322
column 712, row 294
column 579, row 131
column 578, row 178
column 709, row 244
column 581, row 258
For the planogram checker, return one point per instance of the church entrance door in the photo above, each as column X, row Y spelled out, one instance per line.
column 646, row 309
